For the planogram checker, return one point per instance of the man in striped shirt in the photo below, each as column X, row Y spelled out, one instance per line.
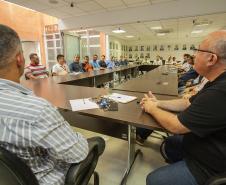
column 30, row 126
column 35, row 69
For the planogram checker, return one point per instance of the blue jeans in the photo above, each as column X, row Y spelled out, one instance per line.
column 176, row 173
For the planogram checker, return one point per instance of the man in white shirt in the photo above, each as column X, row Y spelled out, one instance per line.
column 61, row 67
column 158, row 61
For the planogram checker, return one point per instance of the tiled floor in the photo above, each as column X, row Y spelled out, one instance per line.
column 112, row 163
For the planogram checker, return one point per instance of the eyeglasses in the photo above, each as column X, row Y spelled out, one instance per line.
column 202, row 50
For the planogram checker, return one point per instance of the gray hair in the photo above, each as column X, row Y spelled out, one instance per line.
column 220, row 48
column 9, row 45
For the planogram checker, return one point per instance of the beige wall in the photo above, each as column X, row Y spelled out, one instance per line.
column 27, row 23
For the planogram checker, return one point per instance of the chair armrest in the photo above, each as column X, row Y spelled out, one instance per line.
column 80, row 174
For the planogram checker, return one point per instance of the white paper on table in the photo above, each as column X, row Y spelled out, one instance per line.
column 83, row 104
column 121, row 97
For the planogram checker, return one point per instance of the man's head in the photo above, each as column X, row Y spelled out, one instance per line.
column 95, row 57
column 34, row 59
column 60, row 59
column 190, row 60
column 86, row 59
column 210, row 57
column 11, row 55
column 103, row 57
column 186, row 56
column 77, row 58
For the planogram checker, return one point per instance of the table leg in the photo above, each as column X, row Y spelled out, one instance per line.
column 132, row 153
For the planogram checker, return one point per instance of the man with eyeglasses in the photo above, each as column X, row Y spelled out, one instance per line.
column 197, row 151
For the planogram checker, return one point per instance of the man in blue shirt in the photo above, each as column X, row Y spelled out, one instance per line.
column 95, row 63
column 75, row 66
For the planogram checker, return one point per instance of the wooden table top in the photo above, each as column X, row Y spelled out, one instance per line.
column 60, row 94
column 161, row 80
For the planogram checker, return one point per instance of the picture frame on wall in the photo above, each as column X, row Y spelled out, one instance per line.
column 192, row 47
column 148, row 55
column 141, row 48
column 116, row 46
column 110, row 45
column 126, row 48
column 136, row 48
column 148, row 48
column 130, row 55
column 184, row 47
column 130, row 48
column 168, row 47
column 113, row 45
column 155, row 48
column 161, row 48
column 176, row 47
column 142, row 55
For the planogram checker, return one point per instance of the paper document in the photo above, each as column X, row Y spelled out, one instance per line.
column 83, row 104
column 121, row 97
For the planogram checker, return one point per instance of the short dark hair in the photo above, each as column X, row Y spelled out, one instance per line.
column 59, row 56
column 9, row 45
column 186, row 55
column 32, row 55
column 95, row 55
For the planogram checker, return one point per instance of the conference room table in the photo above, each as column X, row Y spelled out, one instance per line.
column 161, row 80
column 121, row 124
column 97, row 77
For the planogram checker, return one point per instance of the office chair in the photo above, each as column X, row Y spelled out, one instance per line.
column 13, row 171
column 217, row 180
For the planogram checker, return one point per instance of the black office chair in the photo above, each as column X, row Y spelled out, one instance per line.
column 13, row 171
column 217, row 180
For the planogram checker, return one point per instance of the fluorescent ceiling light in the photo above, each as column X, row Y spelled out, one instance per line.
column 129, row 36
column 161, row 34
column 90, row 36
column 197, row 31
column 156, row 27
column 78, row 31
column 119, row 31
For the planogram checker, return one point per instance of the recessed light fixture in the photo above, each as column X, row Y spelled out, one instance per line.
column 156, row 27
column 197, row 31
column 161, row 34
column 129, row 36
column 79, row 31
column 119, row 30
column 90, row 36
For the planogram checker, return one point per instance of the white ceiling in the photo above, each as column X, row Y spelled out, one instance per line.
column 99, row 14
column 63, row 10
column 181, row 28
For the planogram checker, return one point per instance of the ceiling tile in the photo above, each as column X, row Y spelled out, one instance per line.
column 89, row 6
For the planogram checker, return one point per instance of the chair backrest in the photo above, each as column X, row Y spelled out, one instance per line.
column 13, row 171
column 81, row 173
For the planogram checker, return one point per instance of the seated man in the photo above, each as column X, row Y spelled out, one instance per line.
column 61, row 67
column 95, row 64
column 198, row 153
column 30, row 126
column 102, row 62
column 75, row 66
column 190, row 75
column 86, row 66
column 35, row 70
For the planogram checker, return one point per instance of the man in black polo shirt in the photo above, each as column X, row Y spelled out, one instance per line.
column 198, row 152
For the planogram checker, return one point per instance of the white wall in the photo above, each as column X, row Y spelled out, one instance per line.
column 28, row 48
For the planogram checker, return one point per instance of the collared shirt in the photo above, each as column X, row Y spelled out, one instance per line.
column 38, row 71
column 35, row 131
column 75, row 67
column 60, row 69
column 95, row 64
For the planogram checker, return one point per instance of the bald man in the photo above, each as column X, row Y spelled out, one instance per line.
column 197, row 153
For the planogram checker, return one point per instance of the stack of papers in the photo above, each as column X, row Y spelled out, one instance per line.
column 83, row 104
column 121, row 98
